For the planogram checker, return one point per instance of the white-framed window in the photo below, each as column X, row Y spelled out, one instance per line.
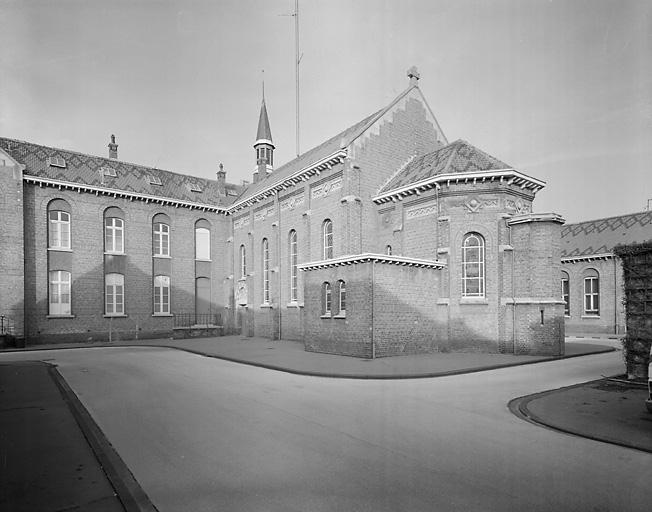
column 388, row 250
column 202, row 243
column 294, row 269
column 59, row 232
column 265, row 259
column 565, row 293
column 327, row 300
column 243, row 262
column 592, row 294
column 161, row 242
column 473, row 270
column 59, row 299
column 161, row 295
column 327, row 239
column 114, row 302
column 341, row 294
column 114, row 235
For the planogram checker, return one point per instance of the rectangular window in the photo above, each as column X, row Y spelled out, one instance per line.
column 59, row 293
column 114, row 235
column 565, row 296
column 161, row 239
column 327, row 299
column 115, row 295
column 161, row 295
column 265, row 271
column 293, row 266
column 59, row 230
column 202, row 244
column 591, row 296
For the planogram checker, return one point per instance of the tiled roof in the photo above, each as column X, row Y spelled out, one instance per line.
column 88, row 170
column 306, row 159
column 602, row 235
column 455, row 158
column 264, row 131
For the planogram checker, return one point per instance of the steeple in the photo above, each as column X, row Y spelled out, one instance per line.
column 264, row 146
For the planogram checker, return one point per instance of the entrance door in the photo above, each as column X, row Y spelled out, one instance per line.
column 203, row 301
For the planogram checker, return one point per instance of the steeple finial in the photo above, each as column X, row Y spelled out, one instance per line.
column 414, row 75
column 263, row 85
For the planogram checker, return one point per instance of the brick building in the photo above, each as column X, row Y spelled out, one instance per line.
column 386, row 239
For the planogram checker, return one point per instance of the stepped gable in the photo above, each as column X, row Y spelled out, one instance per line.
column 600, row 236
column 456, row 158
column 86, row 170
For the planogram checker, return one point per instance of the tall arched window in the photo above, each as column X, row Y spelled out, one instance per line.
column 58, row 224
column 327, row 239
column 341, row 297
column 161, row 295
column 202, row 240
column 59, row 293
column 161, row 235
column 565, row 292
column 326, row 299
column 114, row 304
column 293, row 252
column 591, row 292
column 114, row 230
column 265, row 258
column 473, row 271
column 243, row 262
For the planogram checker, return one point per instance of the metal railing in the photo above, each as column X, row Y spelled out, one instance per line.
column 197, row 319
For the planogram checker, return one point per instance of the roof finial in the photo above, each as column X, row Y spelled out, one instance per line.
column 414, row 75
column 263, row 85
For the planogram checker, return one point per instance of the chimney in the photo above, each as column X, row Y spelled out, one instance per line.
column 221, row 181
column 113, row 148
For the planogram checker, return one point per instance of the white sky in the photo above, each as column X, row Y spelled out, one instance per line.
column 561, row 90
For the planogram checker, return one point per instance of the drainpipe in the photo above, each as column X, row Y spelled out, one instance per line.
column 280, row 265
column 615, row 295
column 373, row 277
column 509, row 231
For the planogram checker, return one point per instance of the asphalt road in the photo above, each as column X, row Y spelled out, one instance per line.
column 204, row 434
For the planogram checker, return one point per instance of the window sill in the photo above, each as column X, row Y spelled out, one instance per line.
column 162, row 256
column 59, row 249
column 54, row 317
column 111, row 253
column 162, row 314
column 589, row 316
column 474, row 300
column 266, row 305
column 115, row 316
column 340, row 316
column 202, row 259
column 328, row 315
column 294, row 304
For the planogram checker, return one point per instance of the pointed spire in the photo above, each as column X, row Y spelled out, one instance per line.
column 264, row 132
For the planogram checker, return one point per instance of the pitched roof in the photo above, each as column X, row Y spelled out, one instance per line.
column 91, row 170
column 264, row 132
column 456, row 158
column 600, row 236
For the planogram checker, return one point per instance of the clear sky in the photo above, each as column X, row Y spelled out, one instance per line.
column 561, row 90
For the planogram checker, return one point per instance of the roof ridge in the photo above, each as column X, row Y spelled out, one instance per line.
column 608, row 218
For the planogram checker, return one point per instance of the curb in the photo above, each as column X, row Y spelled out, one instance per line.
column 128, row 490
column 518, row 407
column 332, row 375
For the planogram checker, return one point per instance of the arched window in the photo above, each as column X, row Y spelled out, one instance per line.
column 59, row 296
column 341, row 297
column 161, row 295
column 114, row 230
column 565, row 292
column 473, row 266
column 161, row 235
column 293, row 252
column 265, row 259
column 388, row 250
column 114, row 304
column 326, row 299
column 591, row 292
column 58, row 224
column 327, row 239
column 243, row 262
column 202, row 240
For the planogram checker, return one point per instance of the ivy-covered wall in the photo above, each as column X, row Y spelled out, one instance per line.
column 637, row 272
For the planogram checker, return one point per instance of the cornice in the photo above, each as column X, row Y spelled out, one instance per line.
column 371, row 257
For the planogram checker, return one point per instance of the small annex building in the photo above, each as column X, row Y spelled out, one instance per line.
column 386, row 239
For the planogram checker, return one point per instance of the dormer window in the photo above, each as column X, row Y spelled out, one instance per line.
column 155, row 180
column 194, row 187
column 57, row 161
column 108, row 171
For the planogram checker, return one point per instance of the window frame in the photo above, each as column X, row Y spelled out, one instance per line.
column 59, row 308
column 56, row 226
column 206, row 237
column 341, row 297
column 327, row 239
column 565, row 293
column 114, row 233
column 161, row 239
column 327, row 300
column 161, row 295
column 293, row 251
column 243, row 261
column 265, row 261
column 591, row 302
column 479, row 262
column 114, row 294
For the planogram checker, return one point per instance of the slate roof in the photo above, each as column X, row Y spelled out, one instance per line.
column 455, row 158
column 264, row 131
column 86, row 170
column 306, row 159
column 602, row 235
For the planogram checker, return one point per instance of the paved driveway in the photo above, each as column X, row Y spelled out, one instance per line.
column 204, row 434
